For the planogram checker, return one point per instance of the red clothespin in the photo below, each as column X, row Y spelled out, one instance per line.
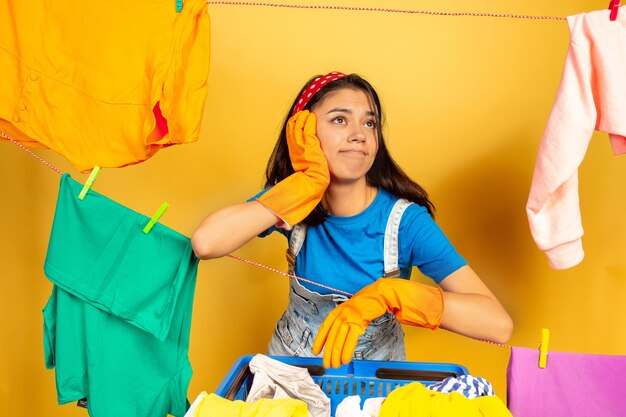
column 614, row 7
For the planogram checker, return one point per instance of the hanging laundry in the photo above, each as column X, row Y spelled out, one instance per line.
column 103, row 83
column 415, row 399
column 275, row 379
column 117, row 324
column 571, row 384
column 591, row 96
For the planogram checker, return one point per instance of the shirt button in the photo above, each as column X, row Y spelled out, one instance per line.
column 33, row 76
column 16, row 118
column 21, row 106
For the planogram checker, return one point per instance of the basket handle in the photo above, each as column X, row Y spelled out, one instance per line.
column 413, row 375
column 314, row 370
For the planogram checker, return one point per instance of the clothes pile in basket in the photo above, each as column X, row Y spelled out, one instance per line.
column 282, row 390
column 415, row 399
column 214, row 405
column 273, row 383
column 464, row 387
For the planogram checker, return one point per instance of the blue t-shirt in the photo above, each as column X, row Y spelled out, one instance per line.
column 347, row 253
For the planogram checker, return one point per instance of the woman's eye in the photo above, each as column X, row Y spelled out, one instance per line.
column 370, row 124
column 339, row 120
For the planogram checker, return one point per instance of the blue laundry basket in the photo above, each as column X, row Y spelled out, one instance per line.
column 368, row 379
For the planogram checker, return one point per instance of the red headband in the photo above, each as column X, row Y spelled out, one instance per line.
column 314, row 87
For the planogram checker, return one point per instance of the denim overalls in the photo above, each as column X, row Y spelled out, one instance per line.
column 296, row 329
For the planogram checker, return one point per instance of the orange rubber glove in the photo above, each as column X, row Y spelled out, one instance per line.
column 411, row 302
column 296, row 196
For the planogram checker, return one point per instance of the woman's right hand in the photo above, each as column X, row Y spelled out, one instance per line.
column 296, row 196
column 284, row 205
column 305, row 150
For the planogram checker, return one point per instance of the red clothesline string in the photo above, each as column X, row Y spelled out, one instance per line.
column 238, row 258
column 384, row 9
column 333, row 289
column 58, row 171
column 31, row 153
column 289, row 275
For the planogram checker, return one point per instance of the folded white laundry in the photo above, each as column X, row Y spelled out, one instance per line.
column 372, row 406
column 351, row 407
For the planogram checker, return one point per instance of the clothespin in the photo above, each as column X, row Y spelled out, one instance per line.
column 179, row 6
column 90, row 180
column 156, row 217
column 614, row 7
column 543, row 348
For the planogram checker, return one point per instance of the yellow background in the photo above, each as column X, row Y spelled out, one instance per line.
column 466, row 100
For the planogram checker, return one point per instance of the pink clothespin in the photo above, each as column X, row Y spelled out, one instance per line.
column 614, row 7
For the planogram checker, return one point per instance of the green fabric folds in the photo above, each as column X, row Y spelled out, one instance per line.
column 118, row 321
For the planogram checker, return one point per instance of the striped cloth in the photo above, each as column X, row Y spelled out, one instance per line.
column 468, row 385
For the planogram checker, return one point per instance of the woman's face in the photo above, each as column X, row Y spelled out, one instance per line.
column 347, row 126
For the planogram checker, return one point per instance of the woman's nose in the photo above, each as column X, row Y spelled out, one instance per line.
column 357, row 135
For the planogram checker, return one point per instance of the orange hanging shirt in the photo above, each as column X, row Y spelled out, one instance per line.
column 103, row 83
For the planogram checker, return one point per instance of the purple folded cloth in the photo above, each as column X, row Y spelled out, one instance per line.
column 571, row 385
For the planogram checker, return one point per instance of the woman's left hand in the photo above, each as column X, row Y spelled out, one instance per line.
column 411, row 302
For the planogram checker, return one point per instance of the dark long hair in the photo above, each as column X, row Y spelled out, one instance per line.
column 384, row 173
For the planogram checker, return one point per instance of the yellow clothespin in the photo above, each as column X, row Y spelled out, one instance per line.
column 156, row 217
column 92, row 178
column 543, row 348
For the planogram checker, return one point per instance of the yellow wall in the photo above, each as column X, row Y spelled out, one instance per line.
column 467, row 99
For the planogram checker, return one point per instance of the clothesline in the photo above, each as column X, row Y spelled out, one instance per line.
column 385, row 10
column 31, row 153
column 238, row 258
column 58, row 171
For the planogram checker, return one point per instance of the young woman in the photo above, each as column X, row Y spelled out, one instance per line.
column 356, row 224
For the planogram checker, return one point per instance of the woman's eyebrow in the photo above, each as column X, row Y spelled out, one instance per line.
column 346, row 110
column 339, row 110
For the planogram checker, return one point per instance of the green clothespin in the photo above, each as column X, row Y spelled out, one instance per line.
column 156, row 217
column 92, row 178
column 179, row 6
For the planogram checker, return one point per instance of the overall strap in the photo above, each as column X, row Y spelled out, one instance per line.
column 391, row 238
column 296, row 240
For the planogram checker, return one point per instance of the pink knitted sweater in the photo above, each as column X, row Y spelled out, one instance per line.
column 591, row 96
